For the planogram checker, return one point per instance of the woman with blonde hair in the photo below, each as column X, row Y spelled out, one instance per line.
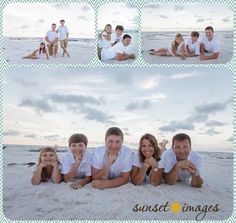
column 48, row 167
column 145, row 162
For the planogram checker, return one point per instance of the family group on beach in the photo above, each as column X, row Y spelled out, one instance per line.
column 114, row 164
column 112, row 45
column 192, row 47
column 52, row 37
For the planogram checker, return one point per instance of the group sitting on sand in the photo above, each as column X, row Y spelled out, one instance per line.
column 52, row 37
column 192, row 47
column 112, row 45
column 114, row 164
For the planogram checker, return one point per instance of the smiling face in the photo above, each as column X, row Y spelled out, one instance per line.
column 194, row 39
column 113, row 144
column 77, row 148
column 147, row 148
column 54, row 27
column 209, row 34
column 48, row 157
column 178, row 40
column 108, row 29
column 119, row 32
column 182, row 149
column 126, row 41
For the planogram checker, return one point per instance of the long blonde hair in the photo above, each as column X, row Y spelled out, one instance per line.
column 175, row 45
column 107, row 25
column 43, row 150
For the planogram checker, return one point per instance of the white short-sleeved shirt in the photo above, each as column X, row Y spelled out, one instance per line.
column 137, row 163
column 178, row 50
column 193, row 47
column 52, row 35
column 104, row 43
column 84, row 168
column 122, row 164
column 62, row 31
column 168, row 160
column 212, row 46
column 115, row 38
column 111, row 52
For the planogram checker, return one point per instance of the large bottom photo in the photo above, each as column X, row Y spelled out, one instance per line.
column 118, row 144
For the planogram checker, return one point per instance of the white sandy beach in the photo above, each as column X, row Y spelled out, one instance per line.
column 50, row 201
column 82, row 51
column 156, row 40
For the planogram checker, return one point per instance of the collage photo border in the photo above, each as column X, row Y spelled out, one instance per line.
column 138, row 62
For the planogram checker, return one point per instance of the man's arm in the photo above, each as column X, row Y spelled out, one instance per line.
column 156, row 177
column 72, row 174
column 197, row 181
column 172, row 177
column 210, row 57
column 102, row 173
column 124, row 56
column 119, row 181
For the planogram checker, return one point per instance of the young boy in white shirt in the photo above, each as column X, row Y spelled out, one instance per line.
column 117, row 35
column 76, row 163
column 192, row 45
column 112, row 163
column 63, row 37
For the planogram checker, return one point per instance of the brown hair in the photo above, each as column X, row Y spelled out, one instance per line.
column 114, row 131
column 181, row 137
column 157, row 151
column 44, row 175
column 77, row 138
column 209, row 28
column 42, row 50
column 194, row 33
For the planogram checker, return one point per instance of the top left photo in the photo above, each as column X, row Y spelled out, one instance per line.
column 48, row 33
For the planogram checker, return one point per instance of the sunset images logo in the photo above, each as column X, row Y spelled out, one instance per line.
column 176, row 207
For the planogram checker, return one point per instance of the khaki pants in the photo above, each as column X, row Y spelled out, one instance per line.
column 52, row 47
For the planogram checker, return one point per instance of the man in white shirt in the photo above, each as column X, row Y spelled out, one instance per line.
column 180, row 163
column 63, row 37
column 52, row 40
column 112, row 163
column 209, row 44
column 118, row 50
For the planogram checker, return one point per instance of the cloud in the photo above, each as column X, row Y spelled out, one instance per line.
column 12, row 133
column 131, row 6
column 126, row 131
column 39, row 105
column 41, row 20
column 163, row 16
column 214, row 123
column 77, row 99
column 82, row 18
column 227, row 19
column 200, row 20
column 211, row 108
column 210, row 132
column 179, row 7
column 25, row 82
column 153, row 6
column 33, row 136
column 24, row 27
column 230, row 139
column 61, row 6
column 85, row 8
column 51, row 136
column 174, row 126
column 145, row 104
column 183, row 75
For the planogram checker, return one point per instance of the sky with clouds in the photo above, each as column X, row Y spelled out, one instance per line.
column 79, row 18
column 46, row 106
column 186, row 17
column 118, row 14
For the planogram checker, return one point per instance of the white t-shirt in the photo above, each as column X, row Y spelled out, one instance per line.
column 84, row 168
column 111, row 52
column 52, row 35
column 138, row 164
column 62, row 30
column 115, row 38
column 122, row 164
column 168, row 160
column 104, row 43
column 193, row 47
column 212, row 46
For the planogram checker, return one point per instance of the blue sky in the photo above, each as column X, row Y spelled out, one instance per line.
column 186, row 17
column 46, row 106
column 79, row 18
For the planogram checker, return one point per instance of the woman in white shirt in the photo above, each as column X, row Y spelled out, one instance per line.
column 145, row 162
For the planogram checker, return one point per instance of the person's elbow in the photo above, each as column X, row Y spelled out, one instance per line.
column 35, row 182
column 170, row 182
column 119, row 57
column 197, row 184
column 215, row 55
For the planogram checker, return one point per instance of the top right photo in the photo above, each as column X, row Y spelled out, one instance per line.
column 187, row 33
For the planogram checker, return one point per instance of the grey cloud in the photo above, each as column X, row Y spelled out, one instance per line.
column 211, row 107
column 41, row 20
column 227, row 19
column 153, row 6
column 83, row 18
column 52, row 137
column 230, row 139
column 174, row 126
column 200, row 20
column 179, row 7
column 85, row 8
column 39, row 105
column 214, row 123
column 25, row 82
column 12, row 133
column 138, row 105
column 33, row 136
column 210, row 132
column 163, row 16
column 24, row 27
